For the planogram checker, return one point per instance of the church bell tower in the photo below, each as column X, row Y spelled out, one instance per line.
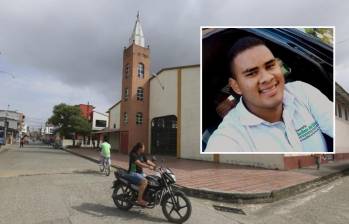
column 134, row 112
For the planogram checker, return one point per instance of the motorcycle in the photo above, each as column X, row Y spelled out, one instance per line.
column 160, row 191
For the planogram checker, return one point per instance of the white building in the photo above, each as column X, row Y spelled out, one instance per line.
column 114, row 126
column 342, row 120
column 24, row 129
column 49, row 130
column 99, row 121
column 15, row 122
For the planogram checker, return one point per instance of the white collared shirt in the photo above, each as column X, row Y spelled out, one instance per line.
column 307, row 113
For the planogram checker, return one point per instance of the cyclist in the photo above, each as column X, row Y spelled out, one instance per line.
column 105, row 152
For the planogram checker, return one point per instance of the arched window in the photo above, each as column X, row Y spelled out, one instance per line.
column 126, row 94
column 141, row 70
column 140, row 94
column 127, row 71
column 125, row 118
column 139, row 118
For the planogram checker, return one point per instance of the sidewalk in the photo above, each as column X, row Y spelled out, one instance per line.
column 236, row 183
column 7, row 147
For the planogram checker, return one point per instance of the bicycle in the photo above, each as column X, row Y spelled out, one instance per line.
column 105, row 166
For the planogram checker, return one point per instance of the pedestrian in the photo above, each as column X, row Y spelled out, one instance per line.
column 94, row 143
column 21, row 142
column 318, row 158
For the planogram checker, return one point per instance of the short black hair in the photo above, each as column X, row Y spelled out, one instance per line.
column 241, row 45
column 105, row 138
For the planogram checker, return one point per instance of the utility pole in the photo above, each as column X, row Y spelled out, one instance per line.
column 6, row 125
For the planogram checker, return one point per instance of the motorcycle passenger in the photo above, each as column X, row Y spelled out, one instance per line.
column 138, row 161
column 105, row 151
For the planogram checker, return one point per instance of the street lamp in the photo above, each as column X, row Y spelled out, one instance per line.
column 6, row 124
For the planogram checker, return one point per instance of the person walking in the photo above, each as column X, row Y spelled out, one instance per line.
column 21, row 142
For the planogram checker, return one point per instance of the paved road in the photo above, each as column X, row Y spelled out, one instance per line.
column 43, row 185
column 325, row 205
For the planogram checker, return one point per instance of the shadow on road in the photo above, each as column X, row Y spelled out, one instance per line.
column 98, row 210
column 89, row 172
column 43, row 151
column 36, row 147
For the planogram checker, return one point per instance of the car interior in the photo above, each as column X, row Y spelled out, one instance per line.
column 304, row 59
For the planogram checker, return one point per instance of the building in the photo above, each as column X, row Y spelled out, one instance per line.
column 163, row 111
column 114, row 127
column 99, row 121
column 86, row 111
column 342, row 120
column 174, row 112
column 48, row 133
column 134, row 105
column 160, row 110
column 13, row 122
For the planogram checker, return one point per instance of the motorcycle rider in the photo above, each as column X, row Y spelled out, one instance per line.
column 138, row 161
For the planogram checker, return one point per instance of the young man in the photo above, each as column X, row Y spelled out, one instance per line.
column 271, row 116
column 105, row 152
column 137, row 162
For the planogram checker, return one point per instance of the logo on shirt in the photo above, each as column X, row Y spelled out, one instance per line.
column 307, row 131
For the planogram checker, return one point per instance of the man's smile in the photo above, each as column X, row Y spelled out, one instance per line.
column 269, row 90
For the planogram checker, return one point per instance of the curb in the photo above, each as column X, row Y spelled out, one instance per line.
column 228, row 196
column 302, row 187
column 263, row 197
column 89, row 158
column 249, row 198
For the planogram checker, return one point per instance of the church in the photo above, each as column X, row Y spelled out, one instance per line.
column 162, row 110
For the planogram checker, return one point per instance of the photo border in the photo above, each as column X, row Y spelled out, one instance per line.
column 334, row 91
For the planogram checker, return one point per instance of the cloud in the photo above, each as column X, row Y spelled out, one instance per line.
column 76, row 46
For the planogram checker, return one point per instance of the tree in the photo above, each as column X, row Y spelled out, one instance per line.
column 324, row 34
column 69, row 120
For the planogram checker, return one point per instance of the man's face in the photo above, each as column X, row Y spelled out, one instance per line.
column 259, row 79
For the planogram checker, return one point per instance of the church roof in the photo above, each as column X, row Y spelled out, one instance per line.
column 137, row 36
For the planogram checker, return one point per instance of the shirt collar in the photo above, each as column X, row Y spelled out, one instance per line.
column 248, row 118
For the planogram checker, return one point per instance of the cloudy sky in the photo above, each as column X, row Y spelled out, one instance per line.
column 70, row 51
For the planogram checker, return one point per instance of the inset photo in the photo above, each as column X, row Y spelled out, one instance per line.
column 267, row 90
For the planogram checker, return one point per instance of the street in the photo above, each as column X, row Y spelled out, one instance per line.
column 44, row 185
column 328, row 204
